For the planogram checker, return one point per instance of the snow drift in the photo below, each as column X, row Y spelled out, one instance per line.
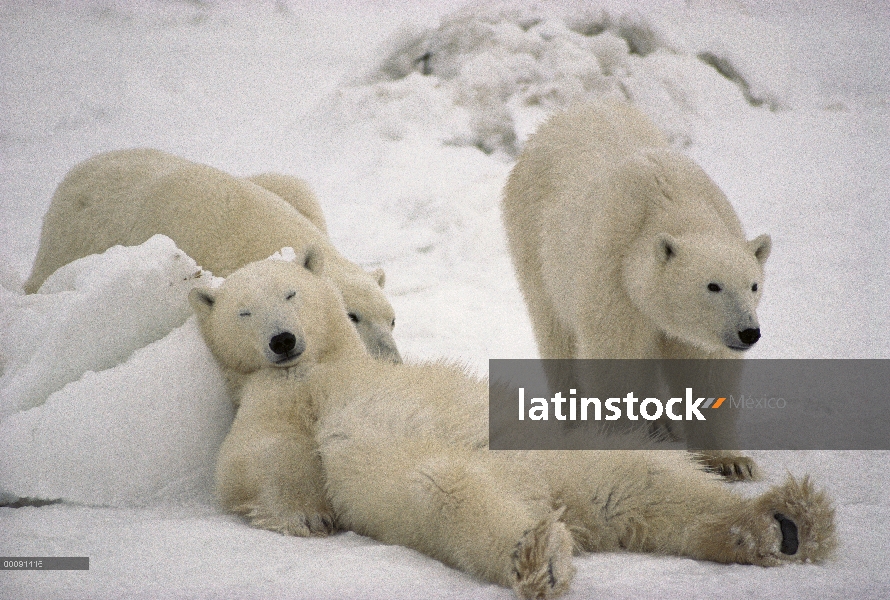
column 108, row 393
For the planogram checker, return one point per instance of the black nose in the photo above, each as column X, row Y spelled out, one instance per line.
column 749, row 336
column 283, row 342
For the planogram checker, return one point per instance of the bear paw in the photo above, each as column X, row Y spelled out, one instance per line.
column 790, row 523
column 542, row 560
column 296, row 523
column 730, row 466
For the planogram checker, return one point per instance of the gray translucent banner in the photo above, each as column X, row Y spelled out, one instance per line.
column 44, row 563
column 701, row 404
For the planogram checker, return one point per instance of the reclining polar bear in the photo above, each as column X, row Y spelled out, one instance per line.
column 399, row 453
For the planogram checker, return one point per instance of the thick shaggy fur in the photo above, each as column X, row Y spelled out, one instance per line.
column 295, row 192
column 625, row 248
column 223, row 222
column 403, row 453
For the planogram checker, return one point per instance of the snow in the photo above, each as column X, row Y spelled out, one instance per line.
column 109, row 399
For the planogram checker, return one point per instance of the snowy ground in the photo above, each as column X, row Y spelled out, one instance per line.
column 405, row 118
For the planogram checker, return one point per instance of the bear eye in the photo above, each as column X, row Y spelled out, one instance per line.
column 244, row 313
column 714, row 287
column 754, row 288
column 290, row 296
column 393, row 324
column 353, row 317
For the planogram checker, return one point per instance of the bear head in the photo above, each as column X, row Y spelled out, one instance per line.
column 274, row 314
column 368, row 308
column 702, row 290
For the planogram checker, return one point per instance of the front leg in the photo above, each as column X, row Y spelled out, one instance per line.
column 268, row 468
column 275, row 481
column 458, row 505
column 713, row 442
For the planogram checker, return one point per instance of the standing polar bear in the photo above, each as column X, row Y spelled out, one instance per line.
column 401, row 451
column 222, row 222
column 625, row 248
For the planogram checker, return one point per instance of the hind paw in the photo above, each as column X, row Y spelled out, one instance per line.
column 542, row 560
column 790, row 523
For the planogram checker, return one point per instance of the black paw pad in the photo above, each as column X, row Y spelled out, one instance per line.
column 789, row 534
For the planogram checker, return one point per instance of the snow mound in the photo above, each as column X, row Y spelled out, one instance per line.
column 146, row 431
column 487, row 75
column 108, row 394
column 91, row 315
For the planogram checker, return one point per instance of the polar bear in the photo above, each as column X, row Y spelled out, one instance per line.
column 222, row 222
column 625, row 248
column 402, row 451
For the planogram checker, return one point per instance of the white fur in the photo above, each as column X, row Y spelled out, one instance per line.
column 295, row 192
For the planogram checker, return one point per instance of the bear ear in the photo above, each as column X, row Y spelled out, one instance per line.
column 313, row 260
column 202, row 301
column 665, row 247
column 380, row 276
column 761, row 246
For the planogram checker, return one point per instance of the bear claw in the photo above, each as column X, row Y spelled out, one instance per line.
column 289, row 523
column 730, row 466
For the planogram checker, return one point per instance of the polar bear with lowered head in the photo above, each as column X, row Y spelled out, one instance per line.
column 625, row 248
column 222, row 222
column 399, row 452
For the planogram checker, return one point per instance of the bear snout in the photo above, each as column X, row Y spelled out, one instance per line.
column 750, row 336
column 386, row 349
column 285, row 346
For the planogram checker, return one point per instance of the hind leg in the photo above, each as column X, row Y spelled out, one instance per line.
column 661, row 501
column 445, row 501
column 295, row 192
